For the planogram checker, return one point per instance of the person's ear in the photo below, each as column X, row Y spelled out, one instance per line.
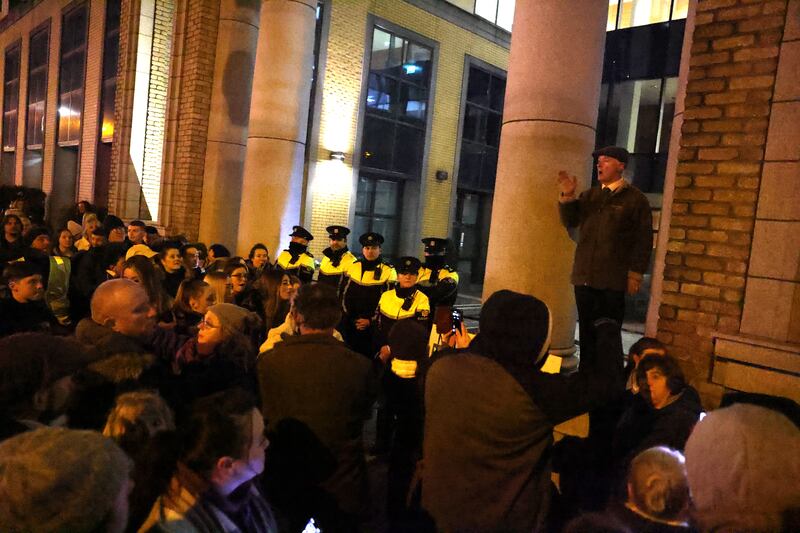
column 109, row 323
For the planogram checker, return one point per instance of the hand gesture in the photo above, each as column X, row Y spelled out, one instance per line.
column 362, row 323
column 567, row 184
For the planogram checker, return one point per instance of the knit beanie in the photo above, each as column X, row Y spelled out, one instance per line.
column 56, row 479
column 234, row 317
column 743, row 467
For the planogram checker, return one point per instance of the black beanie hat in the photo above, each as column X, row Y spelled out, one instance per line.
column 408, row 340
column 515, row 326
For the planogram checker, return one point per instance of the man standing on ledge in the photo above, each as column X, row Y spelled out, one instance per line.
column 614, row 243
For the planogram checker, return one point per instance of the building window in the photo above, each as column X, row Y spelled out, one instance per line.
column 110, row 60
column 37, row 87
column 498, row 12
column 11, row 97
column 393, row 135
column 643, row 12
column 379, row 209
column 477, row 169
column 73, row 65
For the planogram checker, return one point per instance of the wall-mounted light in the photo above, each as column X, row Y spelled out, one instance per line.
column 441, row 175
column 337, row 156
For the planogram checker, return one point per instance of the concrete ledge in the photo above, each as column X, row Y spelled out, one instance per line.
column 753, row 364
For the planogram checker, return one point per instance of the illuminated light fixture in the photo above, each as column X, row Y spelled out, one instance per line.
column 337, row 156
column 411, row 68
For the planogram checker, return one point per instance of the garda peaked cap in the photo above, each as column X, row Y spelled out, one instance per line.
column 371, row 239
column 337, row 232
column 408, row 265
column 303, row 233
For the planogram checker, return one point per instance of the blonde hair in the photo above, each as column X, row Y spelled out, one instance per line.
column 138, row 415
column 219, row 283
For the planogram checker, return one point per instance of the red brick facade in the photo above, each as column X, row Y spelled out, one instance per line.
column 734, row 60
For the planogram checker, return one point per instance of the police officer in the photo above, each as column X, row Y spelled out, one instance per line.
column 338, row 259
column 296, row 259
column 437, row 280
column 367, row 279
column 404, row 301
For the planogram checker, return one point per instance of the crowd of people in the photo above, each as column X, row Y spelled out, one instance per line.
column 149, row 383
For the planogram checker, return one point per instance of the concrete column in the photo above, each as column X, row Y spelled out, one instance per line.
column 551, row 104
column 273, row 170
column 657, row 278
column 226, row 146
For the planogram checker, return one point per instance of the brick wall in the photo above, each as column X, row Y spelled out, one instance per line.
column 733, row 63
column 191, row 75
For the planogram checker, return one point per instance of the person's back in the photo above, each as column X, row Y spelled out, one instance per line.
column 316, row 394
column 490, row 412
column 485, row 441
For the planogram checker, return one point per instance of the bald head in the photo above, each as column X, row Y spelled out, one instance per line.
column 123, row 306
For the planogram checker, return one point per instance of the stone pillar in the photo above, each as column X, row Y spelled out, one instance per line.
column 549, row 123
column 273, row 170
column 226, row 147
column 657, row 278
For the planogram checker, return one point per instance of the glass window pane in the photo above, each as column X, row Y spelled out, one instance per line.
column 380, row 92
column 474, row 124
column 408, row 150
column 376, row 151
column 361, row 226
column 412, row 102
column 497, row 94
column 505, row 13
column 613, row 9
column 417, row 65
column 667, row 113
column 643, row 12
column 489, row 169
column 366, row 188
column 381, row 42
column 388, row 228
column 386, row 197
column 486, row 9
column 478, row 86
column 493, row 125
column 469, row 208
column 680, row 9
column 469, row 168
column 634, row 115
column 395, row 55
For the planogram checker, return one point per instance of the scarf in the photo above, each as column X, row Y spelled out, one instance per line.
column 375, row 266
column 296, row 250
column 335, row 256
column 435, row 263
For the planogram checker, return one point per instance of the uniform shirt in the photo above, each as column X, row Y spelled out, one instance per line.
column 363, row 290
column 302, row 267
column 332, row 275
column 392, row 308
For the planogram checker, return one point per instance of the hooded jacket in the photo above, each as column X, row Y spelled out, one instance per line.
column 503, row 409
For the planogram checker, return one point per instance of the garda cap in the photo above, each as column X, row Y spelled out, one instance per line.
column 408, row 265
column 371, row 239
column 303, row 233
column 434, row 245
column 337, row 233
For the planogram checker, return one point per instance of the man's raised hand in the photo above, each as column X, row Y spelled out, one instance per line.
column 567, row 184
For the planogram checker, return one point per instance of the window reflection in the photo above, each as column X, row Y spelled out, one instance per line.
column 643, row 12
column 73, row 59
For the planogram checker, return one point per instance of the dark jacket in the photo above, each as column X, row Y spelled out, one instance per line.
column 17, row 317
column 489, row 430
column 642, row 426
column 316, row 394
column 615, row 237
column 162, row 343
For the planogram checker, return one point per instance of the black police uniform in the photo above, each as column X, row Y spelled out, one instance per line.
column 366, row 281
column 335, row 264
column 296, row 259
